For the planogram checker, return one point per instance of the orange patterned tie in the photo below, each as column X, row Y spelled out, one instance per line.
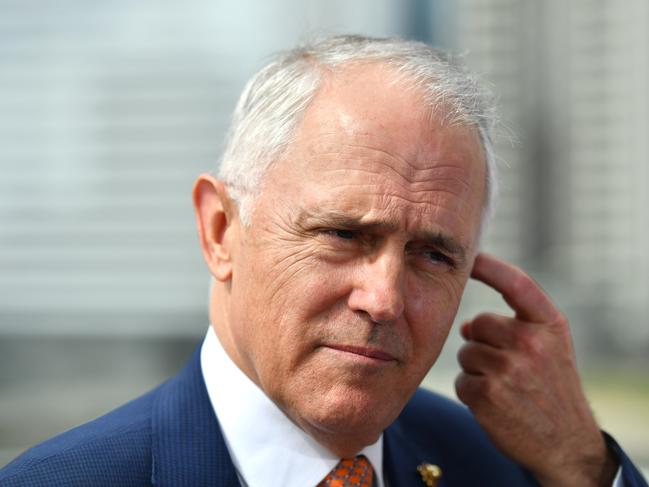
column 357, row 472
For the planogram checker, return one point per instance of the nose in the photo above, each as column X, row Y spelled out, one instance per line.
column 378, row 289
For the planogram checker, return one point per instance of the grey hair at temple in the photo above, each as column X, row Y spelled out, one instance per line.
column 275, row 99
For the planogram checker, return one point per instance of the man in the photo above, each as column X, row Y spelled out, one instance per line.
column 340, row 234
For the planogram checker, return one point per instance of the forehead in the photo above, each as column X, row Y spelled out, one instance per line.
column 368, row 145
column 372, row 107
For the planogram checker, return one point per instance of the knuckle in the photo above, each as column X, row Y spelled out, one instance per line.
column 477, row 392
column 478, row 327
column 472, row 390
column 461, row 356
column 488, row 389
column 486, row 325
column 560, row 322
column 505, row 365
column 462, row 388
column 464, row 354
column 529, row 343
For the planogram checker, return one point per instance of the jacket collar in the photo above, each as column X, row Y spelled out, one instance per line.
column 187, row 445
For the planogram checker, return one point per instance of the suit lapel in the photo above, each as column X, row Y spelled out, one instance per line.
column 187, row 444
column 401, row 457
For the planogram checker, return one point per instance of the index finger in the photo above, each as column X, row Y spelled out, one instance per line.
column 518, row 289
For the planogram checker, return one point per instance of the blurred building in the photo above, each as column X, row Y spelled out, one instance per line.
column 110, row 110
column 573, row 83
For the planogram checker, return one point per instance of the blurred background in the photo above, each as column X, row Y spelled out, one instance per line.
column 109, row 110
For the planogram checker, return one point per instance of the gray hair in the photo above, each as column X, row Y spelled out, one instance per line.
column 275, row 99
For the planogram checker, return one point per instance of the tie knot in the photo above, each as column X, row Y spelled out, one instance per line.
column 355, row 472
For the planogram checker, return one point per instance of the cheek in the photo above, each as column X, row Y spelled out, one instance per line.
column 280, row 257
column 430, row 311
column 307, row 284
column 299, row 296
column 331, row 279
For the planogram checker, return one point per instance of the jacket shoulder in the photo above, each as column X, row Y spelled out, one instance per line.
column 114, row 449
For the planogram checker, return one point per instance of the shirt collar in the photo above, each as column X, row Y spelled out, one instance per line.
column 258, row 434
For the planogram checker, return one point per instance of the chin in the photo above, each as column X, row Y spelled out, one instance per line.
column 338, row 413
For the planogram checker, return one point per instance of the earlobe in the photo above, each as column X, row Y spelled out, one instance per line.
column 217, row 224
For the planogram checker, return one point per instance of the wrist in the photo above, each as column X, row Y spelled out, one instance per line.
column 596, row 468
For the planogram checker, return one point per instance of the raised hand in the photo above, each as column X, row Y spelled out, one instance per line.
column 520, row 380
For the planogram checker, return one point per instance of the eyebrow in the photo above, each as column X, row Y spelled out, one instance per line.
column 350, row 221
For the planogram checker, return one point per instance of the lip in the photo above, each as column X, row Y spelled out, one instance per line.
column 371, row 353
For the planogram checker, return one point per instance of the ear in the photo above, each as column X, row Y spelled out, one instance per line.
column 218, row 225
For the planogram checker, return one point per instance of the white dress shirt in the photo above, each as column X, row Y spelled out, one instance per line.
column 261, row 440
column 259, row 436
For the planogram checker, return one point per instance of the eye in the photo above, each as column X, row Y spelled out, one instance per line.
column 344, row 234
column 439, row 258
column 433, row 260
column 339, row 234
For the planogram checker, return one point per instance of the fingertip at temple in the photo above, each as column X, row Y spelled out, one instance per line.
column 518, row 289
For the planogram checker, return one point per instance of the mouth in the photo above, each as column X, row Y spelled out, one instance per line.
column 370, row 353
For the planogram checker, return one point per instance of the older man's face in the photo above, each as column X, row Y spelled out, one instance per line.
column 348, row 279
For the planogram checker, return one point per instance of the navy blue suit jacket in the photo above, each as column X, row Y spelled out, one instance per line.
column 171, row 437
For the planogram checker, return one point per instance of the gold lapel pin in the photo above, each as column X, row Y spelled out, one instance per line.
column 430, row 474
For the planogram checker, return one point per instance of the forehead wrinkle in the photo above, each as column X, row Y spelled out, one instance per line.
column 430, row 191
column 424, row 217
column 355, row 156
column 330, row 142
column 383, row 209
column 397, row 204
column 401, row 167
